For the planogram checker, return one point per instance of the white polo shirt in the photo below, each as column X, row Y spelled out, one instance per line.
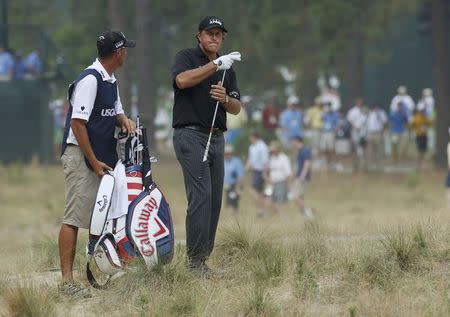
column 84, row 94
column 279, row 168
column 258, row 155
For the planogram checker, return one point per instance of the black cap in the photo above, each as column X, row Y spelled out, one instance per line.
column 211, row 22
column 110, row 41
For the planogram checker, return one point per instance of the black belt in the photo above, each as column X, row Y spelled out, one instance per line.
column 215, row 131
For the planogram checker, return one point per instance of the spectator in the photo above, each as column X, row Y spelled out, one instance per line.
column 313, row 120
column 291, row 122
column 233, row 175
column 427, row 102
column 235, row 126
column 398, row 121
column 277, row 175
column 402, row 96
column 59, row 107
column 302, row 176
column 331, row 96
column 376, row 123
column 357, row 118
column 420, row 124
column 20, row 68
column 258, row 157
column 34, row 64
column 270, row 117
column 330, row 119
column 6, row 65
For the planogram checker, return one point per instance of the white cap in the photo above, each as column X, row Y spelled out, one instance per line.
column 292, row 100
column 427, row 92
column 402, row 90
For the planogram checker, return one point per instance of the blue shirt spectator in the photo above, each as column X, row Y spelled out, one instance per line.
column 234, row 170
column 20, row 68
column 330, row 120
column 6, row 64
column 398, row 119
column 291, row 121
column 34, row 63
column 304, row 154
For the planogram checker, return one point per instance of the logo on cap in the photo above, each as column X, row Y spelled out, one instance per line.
column 215, row 21
column 119, row 44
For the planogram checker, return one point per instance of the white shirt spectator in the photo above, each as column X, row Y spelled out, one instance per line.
column 258, row 155
column 357, row 118
column 406, row 99
column 279, row 168
column 376, row 119
column 427, row 104
column 83, row 103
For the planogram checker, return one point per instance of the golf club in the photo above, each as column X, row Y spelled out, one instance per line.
column 205, row 155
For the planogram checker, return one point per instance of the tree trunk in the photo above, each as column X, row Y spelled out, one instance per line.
column 145, row 70
column 354, row 72
column 116, row 21
column 440, row 33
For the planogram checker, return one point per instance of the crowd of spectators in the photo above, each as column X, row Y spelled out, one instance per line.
column 17, row 66
column 366, row 137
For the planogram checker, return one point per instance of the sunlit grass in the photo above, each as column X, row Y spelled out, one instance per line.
column 378, row 246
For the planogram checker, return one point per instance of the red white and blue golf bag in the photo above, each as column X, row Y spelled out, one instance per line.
column 145, row 231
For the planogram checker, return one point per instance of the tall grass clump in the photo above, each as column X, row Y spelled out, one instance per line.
column 44, row 253
column 183, row 302
column 234, row 241
column 168, row 277
column 378, row 270
column 268, row 264
column 313, row 246
column 305, row 280
column 30, row 301
column 244, row 246
column 257, row 302
column 407, row 245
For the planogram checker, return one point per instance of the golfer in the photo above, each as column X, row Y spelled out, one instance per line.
column 197, row 74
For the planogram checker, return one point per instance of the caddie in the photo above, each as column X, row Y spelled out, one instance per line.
column 88, row 148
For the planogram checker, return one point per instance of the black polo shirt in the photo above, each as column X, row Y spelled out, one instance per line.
column 195, row 106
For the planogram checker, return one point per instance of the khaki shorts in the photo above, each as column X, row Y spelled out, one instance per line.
column 81, row 188
column 298, row 188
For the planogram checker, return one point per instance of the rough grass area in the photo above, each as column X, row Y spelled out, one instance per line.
column 379, row 246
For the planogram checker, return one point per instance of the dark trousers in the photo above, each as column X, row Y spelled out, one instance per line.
column 203, row 183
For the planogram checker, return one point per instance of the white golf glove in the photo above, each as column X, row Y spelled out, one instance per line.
column 225, row 61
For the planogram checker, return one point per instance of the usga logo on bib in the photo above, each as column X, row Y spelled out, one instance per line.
column 108, row 112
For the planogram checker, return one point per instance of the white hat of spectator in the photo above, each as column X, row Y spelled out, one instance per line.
column 229, row 149
column 427, row 92
column 292, row 100
column 402, row 90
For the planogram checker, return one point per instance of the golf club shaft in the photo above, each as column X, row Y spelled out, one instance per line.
column 205, row 155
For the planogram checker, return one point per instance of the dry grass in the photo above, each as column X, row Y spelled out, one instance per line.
column 380, row 246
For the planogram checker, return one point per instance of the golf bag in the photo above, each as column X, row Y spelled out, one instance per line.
column 144, row 230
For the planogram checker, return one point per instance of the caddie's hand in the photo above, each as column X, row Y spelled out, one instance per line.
column 128, row 126
column 100, row 168
column 218, row 92
column 225, row 61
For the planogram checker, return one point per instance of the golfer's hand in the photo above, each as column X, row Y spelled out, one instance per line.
column 225, row 61
column 100, row 168
column 218, row 92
